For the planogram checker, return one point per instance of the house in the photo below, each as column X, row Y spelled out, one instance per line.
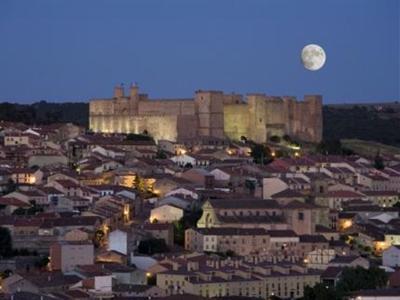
column 391, row 256
column 65, row 256
column 349, row 261
column 331, row 276
column 43, row 282
column 138, row 290
column 26, row 176
column 185, row 203
column 167, row 213
column 383, row 198
column 9, row 204
column 242, row 241
column 200, row 177
column 244, row 212
column 336, row 199
column 163, row 231
column 120, row 241
column 185, row 275
column 319, row 258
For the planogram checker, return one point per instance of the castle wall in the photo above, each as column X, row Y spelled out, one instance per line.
column 212, row 113
column 167, row 107
column 236, row 121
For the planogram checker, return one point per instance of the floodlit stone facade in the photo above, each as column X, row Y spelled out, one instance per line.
column 210, row 113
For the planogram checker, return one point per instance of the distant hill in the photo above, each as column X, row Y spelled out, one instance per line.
column 45, row 113
column 370, row 122
column 379, row 122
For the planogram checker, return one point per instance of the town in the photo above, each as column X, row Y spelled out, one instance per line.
column 104, row 215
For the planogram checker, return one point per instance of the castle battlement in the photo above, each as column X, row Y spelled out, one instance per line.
column 209, row 113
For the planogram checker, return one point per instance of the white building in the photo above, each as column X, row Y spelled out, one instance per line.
column 118, row 241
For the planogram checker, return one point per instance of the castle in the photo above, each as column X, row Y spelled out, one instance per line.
column 210, row 113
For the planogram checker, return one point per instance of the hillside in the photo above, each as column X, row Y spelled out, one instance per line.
column 45, row 113
column 369, row 148
column 379, row 123
column 371, row 122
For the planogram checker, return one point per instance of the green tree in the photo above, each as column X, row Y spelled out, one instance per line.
column 275, row 139
column 5, row 242
column 139, row 184
column 152, row 246
column 42, row 262
column 179, row 232
column 250, row 185
column 261, row 154
column 11, row 186
column 378, row 162
column 98, row 238
column 161, row 154
column 351, row 280
column 354, row 279
column 326, row 147
column 138, row 137
column 319, row 292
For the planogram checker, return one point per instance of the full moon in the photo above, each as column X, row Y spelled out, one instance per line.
column 313, row 57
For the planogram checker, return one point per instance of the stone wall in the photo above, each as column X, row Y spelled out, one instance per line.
column 211, row 113
column 236, row 121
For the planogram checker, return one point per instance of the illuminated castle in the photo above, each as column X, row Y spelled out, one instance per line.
column 209, row 113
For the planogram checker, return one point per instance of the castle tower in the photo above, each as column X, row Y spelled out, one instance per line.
column 119, row 91
column 257, row 117
column 210, row 109
column 134, row 99
column 314, row 122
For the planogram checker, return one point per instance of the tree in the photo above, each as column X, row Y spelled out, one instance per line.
column 329, row 147
column 42, row 262
column 161, row 154
column 138, row 137
column 352, row 279
column 179, row 232
column 98, row 238
column 378, row 162
column 355, row 279
column 152, row 246
column 286, row 138
column 275, row 139
column 261, row 154
column 139, row 184
column 319, row 291
column 5, row 242
column 250, row 184
column 6, row 273
column 11, row 186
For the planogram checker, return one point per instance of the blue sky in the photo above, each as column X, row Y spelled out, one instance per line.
column 60, row 50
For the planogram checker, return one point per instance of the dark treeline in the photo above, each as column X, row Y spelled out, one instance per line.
column 358, row 122
column 361, row 122
column 45, row 113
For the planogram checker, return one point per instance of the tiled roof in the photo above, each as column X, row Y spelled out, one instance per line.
column 250, row 203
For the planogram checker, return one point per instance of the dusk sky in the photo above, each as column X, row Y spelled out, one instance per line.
column 59, row 50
